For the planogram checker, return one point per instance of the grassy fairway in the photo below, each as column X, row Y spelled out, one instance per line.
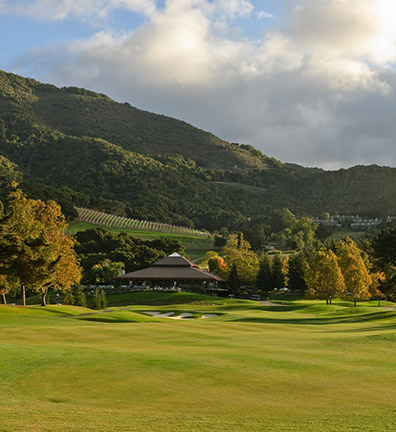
column 300, row 367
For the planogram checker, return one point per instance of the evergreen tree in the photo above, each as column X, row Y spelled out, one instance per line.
column 103, row 299
column 295, row 273
column 264, row 277
column 384, row 251
column 80, row 298
column 278, row 276
column 233, row 280
column 68, row 297
column 97, row 301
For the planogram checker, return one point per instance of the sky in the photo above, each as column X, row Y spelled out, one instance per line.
column 305, row 81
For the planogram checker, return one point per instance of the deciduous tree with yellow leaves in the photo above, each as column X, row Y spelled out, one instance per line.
column 34, row 249
column 356, row 276
column 238, row 251
column 323, row 277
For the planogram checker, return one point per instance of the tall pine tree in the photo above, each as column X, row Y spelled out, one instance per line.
column 295, row 273
column 278, row 276
column 234, row 281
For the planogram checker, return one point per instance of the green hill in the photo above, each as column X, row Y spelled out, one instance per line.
column 82, row 148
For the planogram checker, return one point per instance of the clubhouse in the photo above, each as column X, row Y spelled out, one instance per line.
column 176, row 270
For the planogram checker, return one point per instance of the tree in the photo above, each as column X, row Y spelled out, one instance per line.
column 103, row 299
column 264, row 276
column 59, row 268
column 295, row 273
column 97, row 301
column 323, row 232
column 19, row 239
column 207, row 257
column 374, row 289
column 238, row 251
column 282, row 219
column 7, row 285
column 233, row 280
column 80, row 298
column 278, row 275
column 218, row 266
column 384, row 252
column 34, row 247
column 354, row 270
column 257, row 235
column 68, row 298
column 323, row 277
column 106, row 271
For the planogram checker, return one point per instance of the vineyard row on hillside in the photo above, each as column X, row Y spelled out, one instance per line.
column 113, row 221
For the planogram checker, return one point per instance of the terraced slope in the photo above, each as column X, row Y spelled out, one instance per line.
column 113, row 221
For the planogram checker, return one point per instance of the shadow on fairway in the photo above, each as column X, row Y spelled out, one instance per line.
column 326, row 320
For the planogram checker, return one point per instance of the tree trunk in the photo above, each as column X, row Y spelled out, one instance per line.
column 327, row 301
column 4, row 298
column 330, row 301
column 379, row 302
column 354, row 302
column 24, row 295
column 43, row 298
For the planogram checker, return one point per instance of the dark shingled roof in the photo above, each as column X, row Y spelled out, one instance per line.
column 174, row 267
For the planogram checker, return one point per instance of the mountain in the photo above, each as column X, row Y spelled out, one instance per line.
column 82, row 113
column 82, row 148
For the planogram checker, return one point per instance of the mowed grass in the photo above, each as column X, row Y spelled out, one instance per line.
column 299, row 367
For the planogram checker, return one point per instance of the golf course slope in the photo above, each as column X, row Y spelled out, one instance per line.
column 300, row 366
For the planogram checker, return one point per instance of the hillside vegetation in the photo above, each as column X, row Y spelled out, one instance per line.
column 81, row 148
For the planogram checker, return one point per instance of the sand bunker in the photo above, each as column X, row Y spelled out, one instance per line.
column 183, row 315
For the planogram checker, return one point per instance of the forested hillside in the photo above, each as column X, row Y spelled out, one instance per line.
column 81, row 148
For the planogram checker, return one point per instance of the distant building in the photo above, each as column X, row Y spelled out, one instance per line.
column 355, row 221
column 176, row 270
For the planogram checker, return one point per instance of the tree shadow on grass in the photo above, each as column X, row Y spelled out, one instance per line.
column 50, row 311
column 320, row 320
column 108, row 319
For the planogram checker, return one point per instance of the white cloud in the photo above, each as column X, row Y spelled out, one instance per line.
column 236, row 8
column 319, row 90
column 365, row 28
column 263, row 14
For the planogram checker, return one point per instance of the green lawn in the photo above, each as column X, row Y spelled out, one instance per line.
column 303, row 366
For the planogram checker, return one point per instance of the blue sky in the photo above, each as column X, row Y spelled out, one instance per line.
column 305, row 81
